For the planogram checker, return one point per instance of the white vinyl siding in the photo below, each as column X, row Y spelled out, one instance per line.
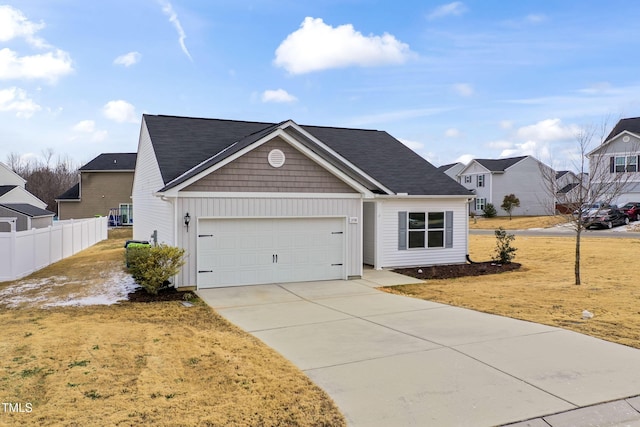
column 393, row 256
column 152, row 213
column 272, row 207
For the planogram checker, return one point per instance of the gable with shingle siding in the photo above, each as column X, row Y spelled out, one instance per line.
column 253, row 173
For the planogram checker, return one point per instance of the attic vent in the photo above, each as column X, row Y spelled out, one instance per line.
column 276, row 158
column 626, row 138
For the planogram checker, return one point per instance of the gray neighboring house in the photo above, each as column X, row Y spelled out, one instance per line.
column 524, row 176
column 452, row 169
column 104, row 188
column 255, row 202
column 619, row 157
column 27, row 216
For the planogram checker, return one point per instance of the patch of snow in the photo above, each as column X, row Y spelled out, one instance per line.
column 21, row 294
column 114, row 289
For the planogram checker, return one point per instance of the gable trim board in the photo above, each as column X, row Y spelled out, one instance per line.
column 280, row 219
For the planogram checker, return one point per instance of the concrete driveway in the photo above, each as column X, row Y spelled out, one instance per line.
column 392, row 360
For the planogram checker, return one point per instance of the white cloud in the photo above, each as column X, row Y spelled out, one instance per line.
column 548, row 130
column 88, row 127
column 452, row 133
column 128, row 59
column 500, row 145
column 278, row 95
column 463, row 89
column 414, row 145
column 167, row 9
column 49, row 66
column 529, row 148
column 394, row 116
column 456, row 8
column 120, row 111
column 317, row 46
column 465, row 158
column 16, row 100
column 14, row 24
column 506, row 124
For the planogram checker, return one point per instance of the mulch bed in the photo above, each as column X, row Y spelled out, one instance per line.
column 164, row 294
column 457, row 270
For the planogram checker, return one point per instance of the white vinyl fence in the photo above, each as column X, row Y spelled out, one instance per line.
column 23, row 252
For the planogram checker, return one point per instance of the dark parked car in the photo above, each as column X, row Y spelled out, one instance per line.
column 632, row 209
column 605, row 217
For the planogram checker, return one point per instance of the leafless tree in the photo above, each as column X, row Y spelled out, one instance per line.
column 597, row 183
column 46, row 178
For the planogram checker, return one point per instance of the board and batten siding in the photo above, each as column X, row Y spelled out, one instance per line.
column 369, row 233
column 392, row 256
column 265, row 207
column 150, row 211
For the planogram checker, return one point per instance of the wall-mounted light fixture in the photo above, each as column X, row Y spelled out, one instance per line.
column 187, row 220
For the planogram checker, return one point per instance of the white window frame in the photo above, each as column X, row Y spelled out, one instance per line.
column 481, row 203
column 129, row 210
column 467, row 179
column 480, row 181
column 426, row 230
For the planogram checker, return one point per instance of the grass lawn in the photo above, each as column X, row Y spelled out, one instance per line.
column 515, row 223
column 542, row 290
column 159, row 364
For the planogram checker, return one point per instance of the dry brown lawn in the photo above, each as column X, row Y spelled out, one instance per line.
column 543, row 291
column 515, row 223
column 159, row 364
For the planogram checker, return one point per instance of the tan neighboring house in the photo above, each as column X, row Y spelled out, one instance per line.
column 104, row 189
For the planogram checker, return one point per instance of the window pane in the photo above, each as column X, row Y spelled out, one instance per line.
column 436, row 239
column 632, row 164
column 416, row 220
column 416, row 239
column 620, row 164
column 436, row 220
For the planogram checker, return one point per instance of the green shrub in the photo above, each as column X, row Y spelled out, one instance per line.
column 504, row 251
column 489, row 211
column 151, row 267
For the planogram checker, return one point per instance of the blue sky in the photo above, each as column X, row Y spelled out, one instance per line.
column 452, row 80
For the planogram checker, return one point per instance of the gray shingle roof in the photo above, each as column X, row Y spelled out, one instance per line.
column 631, row 124
column 184, row 144
column 499, row 165
column 446, row 167
column 112, row 162
column 4, row 189
column 71, row 194
column 27, row 209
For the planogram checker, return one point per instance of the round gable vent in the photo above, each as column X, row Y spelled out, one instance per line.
column 626, row 138
column 276, row 158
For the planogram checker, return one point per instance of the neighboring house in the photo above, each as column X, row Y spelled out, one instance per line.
column 524, row 176
column 26, row 216
column 568, row 192
column 104, row 189
column 19, row 209
column 12, row 189
column 618, row 159
column 452, row 169
column 265, row 203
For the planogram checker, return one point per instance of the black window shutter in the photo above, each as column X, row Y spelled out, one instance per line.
column 448, row 231
column 612, row 164
column 402, row 231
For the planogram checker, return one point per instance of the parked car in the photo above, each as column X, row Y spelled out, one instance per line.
column 592, row 208
column 605, row 217
column 632, row 209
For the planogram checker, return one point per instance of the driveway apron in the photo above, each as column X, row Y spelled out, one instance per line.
column 392, row 360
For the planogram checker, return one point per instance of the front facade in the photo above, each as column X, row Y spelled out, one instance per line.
column 524, row 176
column 104, row 189
column 614, row 166
column 266, row 203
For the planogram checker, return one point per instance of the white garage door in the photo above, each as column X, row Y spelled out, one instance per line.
column 234, row 252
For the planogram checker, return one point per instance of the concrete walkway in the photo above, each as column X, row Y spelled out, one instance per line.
column 392, row 360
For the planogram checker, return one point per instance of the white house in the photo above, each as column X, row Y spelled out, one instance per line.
column 524, row 176
column 452, row 169
column 617, row 159
column 18, row 206
column 263, row 203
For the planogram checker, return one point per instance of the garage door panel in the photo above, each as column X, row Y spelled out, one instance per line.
column 237, row 252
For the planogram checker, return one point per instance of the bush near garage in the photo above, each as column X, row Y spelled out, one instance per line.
column 152, row 266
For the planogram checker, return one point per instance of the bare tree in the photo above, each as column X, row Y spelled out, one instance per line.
column 45, row 178
column 598, row 183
